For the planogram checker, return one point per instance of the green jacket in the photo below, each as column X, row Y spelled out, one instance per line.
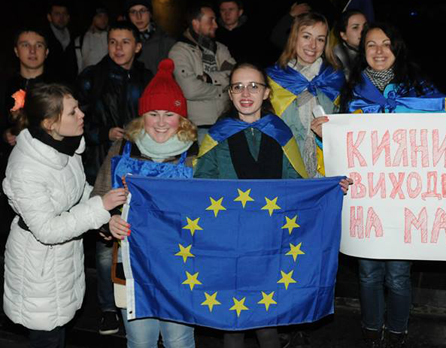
column 217, row 163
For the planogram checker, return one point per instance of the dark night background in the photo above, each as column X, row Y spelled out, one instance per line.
column 421, row 23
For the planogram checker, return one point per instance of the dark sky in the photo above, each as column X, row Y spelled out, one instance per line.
column 421, row 23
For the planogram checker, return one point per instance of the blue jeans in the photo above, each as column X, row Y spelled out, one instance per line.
column 395, row 275
column 104, row 253
column 144, row 333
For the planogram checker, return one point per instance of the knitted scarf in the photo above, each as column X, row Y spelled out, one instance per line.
column 380, row 79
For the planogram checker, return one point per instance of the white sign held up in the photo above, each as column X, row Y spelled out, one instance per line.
column 396, row 208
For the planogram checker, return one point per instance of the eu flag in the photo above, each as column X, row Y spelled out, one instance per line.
column 232, row 254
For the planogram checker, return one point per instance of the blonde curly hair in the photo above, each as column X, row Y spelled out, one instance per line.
column 187, row 131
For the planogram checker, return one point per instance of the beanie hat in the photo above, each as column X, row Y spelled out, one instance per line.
column 130, row 3
column 163, row 92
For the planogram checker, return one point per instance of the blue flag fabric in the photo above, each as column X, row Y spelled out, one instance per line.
column 328, row 81
column 232, row 254
column 368, row 99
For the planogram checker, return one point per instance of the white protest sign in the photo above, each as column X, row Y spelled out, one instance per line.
column 396, row 208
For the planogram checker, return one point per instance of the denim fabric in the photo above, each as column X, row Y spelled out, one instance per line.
column 144, row 333
column 374, row 276
column 104, row 253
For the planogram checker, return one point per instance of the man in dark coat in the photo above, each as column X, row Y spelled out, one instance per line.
column 108, row 94
column 61, row 62
column 156, row 43
column 31, row 49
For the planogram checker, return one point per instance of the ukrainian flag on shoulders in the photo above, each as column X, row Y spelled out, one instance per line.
column 232, row 254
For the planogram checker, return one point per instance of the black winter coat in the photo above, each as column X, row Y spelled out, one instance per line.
column 108, row 95
column 61, row 64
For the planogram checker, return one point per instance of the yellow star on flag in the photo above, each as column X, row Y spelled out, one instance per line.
column 216, row 206
column 286, row 279
column 295, row 250
column 243, row 196
column 211, row 301
column 271, row 205
column 191, row 280
column 290, row 224
column 184, row 252
column 239, row 306
column 192, row 225
column 267, row 300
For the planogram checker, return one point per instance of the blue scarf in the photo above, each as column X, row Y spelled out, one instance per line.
column 368, row 99
column 270, row 125
column 328, row 81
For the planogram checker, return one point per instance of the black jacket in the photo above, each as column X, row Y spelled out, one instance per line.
column 61, row 64
column 155, row 49
column 108, row 95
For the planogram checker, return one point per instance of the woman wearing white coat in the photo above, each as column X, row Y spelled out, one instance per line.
column 45, row 184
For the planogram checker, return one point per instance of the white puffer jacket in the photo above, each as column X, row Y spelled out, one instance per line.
column 44, row 268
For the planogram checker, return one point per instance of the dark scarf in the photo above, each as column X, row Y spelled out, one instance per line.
column 67, row 146
column 268, row 164
column 380, row 79
column 204, row 41
column 147, row 34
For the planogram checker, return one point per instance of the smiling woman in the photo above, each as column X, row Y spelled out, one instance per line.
column 244, row 144
column 157, row 144
column 306, row 76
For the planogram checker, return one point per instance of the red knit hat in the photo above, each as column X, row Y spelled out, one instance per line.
column 163, row 92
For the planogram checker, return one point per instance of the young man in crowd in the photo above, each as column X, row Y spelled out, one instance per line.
column 202, row 68
column 156, row 44
column 108, row 94
column 61, row 62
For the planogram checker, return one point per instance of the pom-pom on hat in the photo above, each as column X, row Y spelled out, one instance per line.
column 163, row 92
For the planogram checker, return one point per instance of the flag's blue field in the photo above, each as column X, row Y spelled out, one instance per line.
column 232, row 254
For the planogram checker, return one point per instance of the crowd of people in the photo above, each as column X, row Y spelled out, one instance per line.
column 126, row 97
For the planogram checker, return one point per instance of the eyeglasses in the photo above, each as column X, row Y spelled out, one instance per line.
column 252, row 87
column 140, row 12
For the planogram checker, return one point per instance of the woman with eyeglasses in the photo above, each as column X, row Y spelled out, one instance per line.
column 305, row 76
column 246, row 144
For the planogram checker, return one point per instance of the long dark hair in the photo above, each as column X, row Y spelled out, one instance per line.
column 342, row 22
column 407, row 73
column 267, row 107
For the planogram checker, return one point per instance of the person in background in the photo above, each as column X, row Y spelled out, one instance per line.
column 159, row 143
column 156, row 43
column 45, row 184
column 31, row 49
column 305, row 76
column 348, row 31
column 280, row 32
column 108, row 93
column 92, row 46
column 383, row 80
column 235, row 32
column 61, row 61
column 202, row 67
